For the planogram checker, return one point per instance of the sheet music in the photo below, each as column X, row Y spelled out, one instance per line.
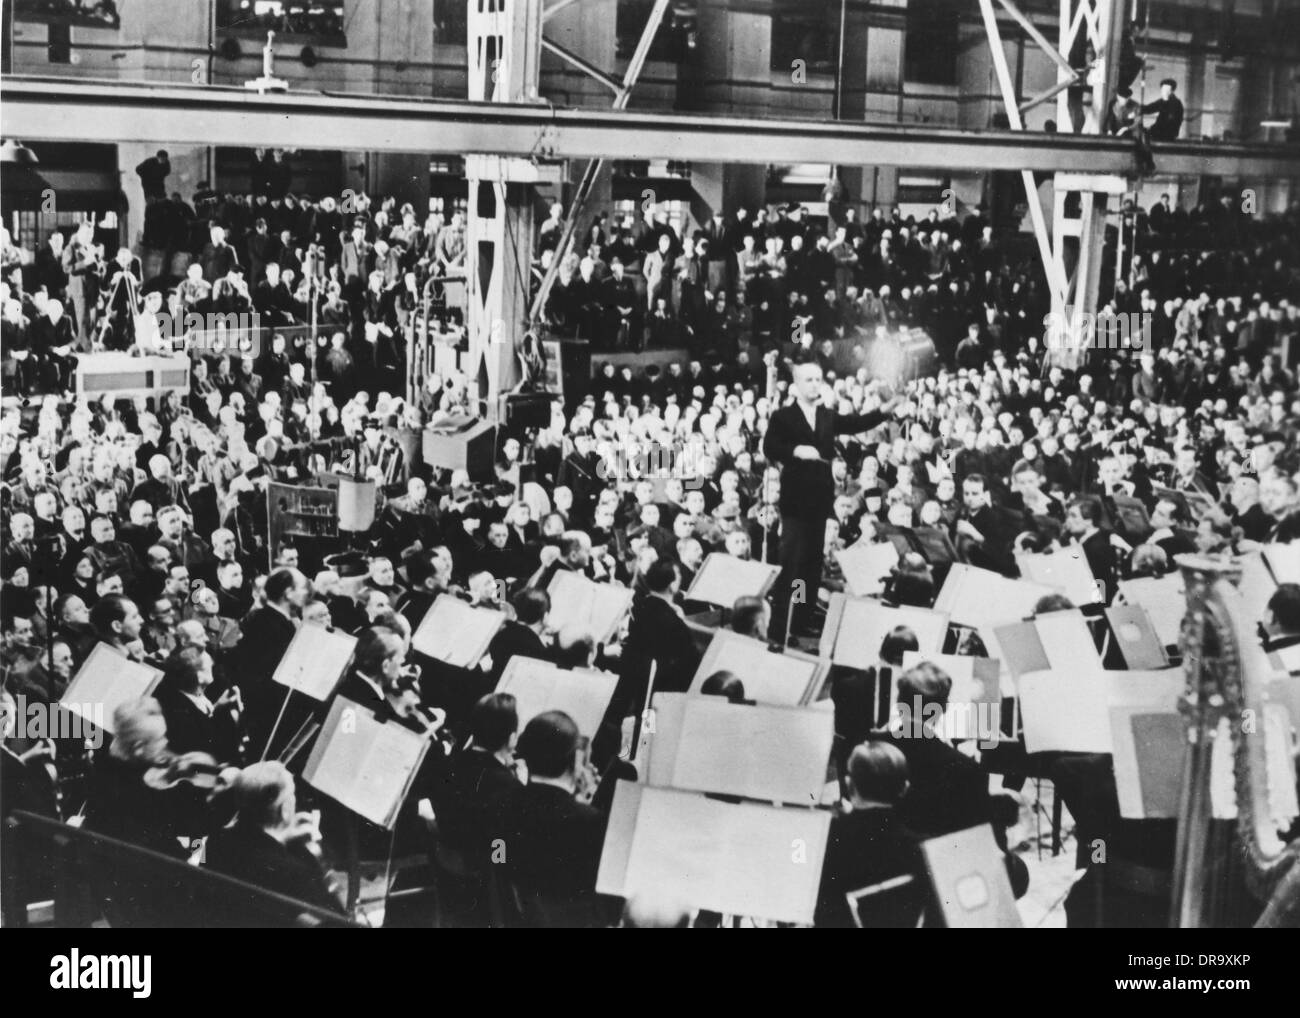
column 364, row 764
column 866, row 567
column 980, row 598
column 539, row 686
column 315, row 661
column 456, row 632
column 865, row 624
column 1165, row 600
column 1284, row 562
column 597, row 607
column 724, row 578
column 1256, row 586
column 1067, row 640
column 768, row 677
column 736, row 858
column 1067, row 570
column 1069, row 711
column 773, row 754
column 106, row 680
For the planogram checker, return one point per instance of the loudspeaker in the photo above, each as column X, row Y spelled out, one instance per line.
column 528, row 410
column 472, row 450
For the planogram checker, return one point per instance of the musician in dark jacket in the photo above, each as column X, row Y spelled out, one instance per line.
column 195, row 723
column 553, row 842
column 267, row 633
column 270, row 845
column 478, row 782
column 521, row 636
column 870, row 844
column 801, row 438
column 948, row 790
column 657, row 634
column 127, row 798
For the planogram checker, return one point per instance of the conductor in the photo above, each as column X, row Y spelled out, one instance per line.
column 801, row 438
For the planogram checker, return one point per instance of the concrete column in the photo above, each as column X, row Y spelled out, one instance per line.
column 871, row 89
column 731, row 72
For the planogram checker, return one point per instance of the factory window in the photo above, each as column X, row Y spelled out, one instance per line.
column 291, row 20
column 69, row 12
column 930, row 52
column 807, row 30
column 675, row 38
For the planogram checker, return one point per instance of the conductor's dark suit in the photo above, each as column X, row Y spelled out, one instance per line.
column 807, row 495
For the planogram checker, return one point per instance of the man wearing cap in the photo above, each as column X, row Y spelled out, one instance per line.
column 1169, row 113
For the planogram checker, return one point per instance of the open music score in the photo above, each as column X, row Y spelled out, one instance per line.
column 365, row 764
column 539, row 686
column 598, row 608
column 701, row 853
column 756, row 751
column 1165, row 601
column 1066, row 570
column 788, row 677
column 867, row 567
column 315, row 661
column 1069, row 710
column 106, row 680
column 724, row 578
column 856, row 626
column 981, row 598
column 456, row 632
column 1059, row 640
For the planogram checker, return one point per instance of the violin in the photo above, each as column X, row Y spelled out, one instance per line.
column 196, row 769
column 404, row 699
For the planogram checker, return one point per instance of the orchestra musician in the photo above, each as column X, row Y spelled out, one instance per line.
column 145, row 793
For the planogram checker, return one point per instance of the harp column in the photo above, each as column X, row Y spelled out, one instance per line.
column 504, row 41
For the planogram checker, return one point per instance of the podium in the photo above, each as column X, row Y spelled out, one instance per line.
column 472, row 449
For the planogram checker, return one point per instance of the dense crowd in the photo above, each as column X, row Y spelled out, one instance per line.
column 146, row 527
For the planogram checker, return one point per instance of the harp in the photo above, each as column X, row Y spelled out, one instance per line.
column 1227, row 873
